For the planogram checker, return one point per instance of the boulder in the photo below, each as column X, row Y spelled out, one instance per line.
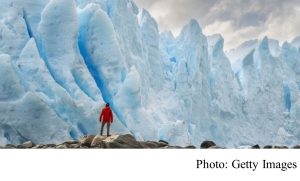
column 50, row 146
column 296, row 147
column 173, row 147
column 21, row 147
column 149, row 144
column 215, row 147
column 9, row 146
column 38, row 146
column 97, row 141
column 62, row 146
column 244, row 147
column 120, row 141
column 281, row 147
column 207, row 144
column 190, row 147
column 170, row 147
column 162, row 144
column 163, row 141
column 255, row 147
column 28, row 144
column 268, row 147
column 275, row 147
column 70, row 142
column 74, row 146
column 87, row 140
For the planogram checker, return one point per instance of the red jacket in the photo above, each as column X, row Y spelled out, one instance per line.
column 106, row 115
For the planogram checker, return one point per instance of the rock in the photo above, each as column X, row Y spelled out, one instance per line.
column 275, row 147
column 70, row 142
column 268, row 147
column 38, row 146
column 120, row 141
column 129, row 136
column 9, row 146
column 245, row 147
column 149, row 144
column 143, row 144
column 61, row 147
column 97, row 141
column 215, row 147
column 50, row 146
column 172, row 147
column 21, row 146
column 127, row 141
column 255, row 147
column 281, row 147
column 87, row 140
column 207, row 144
column 162, row 144
column 74, row 146
column 163, row 141
column 28, row 144
column 175, row 147
column 296, row 147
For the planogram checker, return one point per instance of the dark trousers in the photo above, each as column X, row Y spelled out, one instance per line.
column 107, row 127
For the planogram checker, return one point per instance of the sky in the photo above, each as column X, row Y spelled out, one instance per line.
column 236, row 20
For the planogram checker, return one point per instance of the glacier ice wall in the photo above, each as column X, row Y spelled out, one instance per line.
column 61, row 60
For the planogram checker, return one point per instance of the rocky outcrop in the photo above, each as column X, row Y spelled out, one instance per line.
column 119, row 141
column 97, row 141
column 87, row 140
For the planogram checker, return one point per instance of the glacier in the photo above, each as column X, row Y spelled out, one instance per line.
column 62, row 60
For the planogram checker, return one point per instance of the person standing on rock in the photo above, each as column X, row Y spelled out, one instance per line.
column 106, row 116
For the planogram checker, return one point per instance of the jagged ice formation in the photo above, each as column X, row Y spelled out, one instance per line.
column 61, row 60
